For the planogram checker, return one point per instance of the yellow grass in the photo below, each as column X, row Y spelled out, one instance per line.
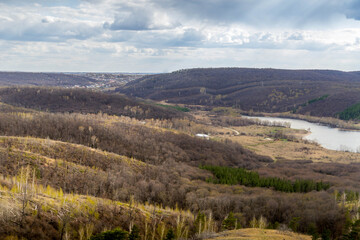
column 259, row 234
column 256, row 140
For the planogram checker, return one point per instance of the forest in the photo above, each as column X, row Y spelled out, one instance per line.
column 232, row 176
column 322, row 93
column 74, row 168
column 352, row 112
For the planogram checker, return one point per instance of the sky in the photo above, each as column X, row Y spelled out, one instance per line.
column 152, row 36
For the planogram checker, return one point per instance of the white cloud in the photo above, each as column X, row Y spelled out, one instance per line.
column 140, row 19
column 170, row 34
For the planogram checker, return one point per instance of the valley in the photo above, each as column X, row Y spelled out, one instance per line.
column 79, row 163
column 320, row 93
column 278, row 142
column 179, row 120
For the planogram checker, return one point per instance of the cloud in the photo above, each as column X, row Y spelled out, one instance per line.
column 296, row 36
column 46, row 30
column 262, row 13
column 353, row 10
column 132, row 20
column 140, row 18
column 29, row 24
column 176, row 33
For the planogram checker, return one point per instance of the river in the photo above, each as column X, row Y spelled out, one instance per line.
column 327, row 137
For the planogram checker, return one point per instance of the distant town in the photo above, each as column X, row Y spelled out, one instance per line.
column 106, row 81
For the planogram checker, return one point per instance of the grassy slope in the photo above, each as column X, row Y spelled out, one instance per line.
column 38, row 158
column 259, row 234
column 49, row 212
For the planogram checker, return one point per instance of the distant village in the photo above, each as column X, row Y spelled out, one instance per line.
column 108, row 80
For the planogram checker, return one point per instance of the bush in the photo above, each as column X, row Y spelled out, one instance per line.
column 230, row 222
column 115, row 234
column 135, row 233
column 170, row 235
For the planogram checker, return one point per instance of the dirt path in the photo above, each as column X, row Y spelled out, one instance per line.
column 236, row 132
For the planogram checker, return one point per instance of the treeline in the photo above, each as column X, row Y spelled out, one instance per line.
column 311, row 101
column 84, row 101
column 352, row 112
column 176, row 107
column 318, row 99
column 232, row 176
column 346, row 195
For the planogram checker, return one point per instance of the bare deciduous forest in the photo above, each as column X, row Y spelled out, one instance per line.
column 257, row 90
column 76, row 164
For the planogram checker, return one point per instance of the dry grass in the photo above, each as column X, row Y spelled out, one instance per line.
column 260, row 234
column 256, row 138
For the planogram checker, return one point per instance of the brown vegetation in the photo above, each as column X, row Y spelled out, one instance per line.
column 83, row 101
column 259, row 90
column 53, row 164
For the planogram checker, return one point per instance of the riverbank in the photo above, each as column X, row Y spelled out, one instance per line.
column 327, row 121
column 263, row 141
column 327, row 137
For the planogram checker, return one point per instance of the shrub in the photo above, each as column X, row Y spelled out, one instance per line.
column 115, row 234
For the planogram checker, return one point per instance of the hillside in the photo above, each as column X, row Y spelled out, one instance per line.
column 83, row 101
column 43, row 79
column 314, row 92
column 55, row 190
column 66, row 175
column 93, row 80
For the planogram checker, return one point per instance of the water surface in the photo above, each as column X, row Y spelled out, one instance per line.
column 327, row 137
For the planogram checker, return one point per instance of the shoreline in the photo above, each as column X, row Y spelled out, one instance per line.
column 328, row 121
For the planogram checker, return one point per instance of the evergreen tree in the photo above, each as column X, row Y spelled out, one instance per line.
column 135, row 233
column 232, row 176
column 170, row 235
column 229, row 222
column 115, row 234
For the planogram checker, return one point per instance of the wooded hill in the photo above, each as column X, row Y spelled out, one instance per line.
column 83, row 101
column 43, row 79
column 314, row 92
column 93, row 80
column 74, row 175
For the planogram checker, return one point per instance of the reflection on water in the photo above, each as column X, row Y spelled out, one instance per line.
column 330, row 138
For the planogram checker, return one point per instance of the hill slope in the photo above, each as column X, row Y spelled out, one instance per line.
column 314, row 92
column 61, row 173
column 83, row 101
column 43, row 79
